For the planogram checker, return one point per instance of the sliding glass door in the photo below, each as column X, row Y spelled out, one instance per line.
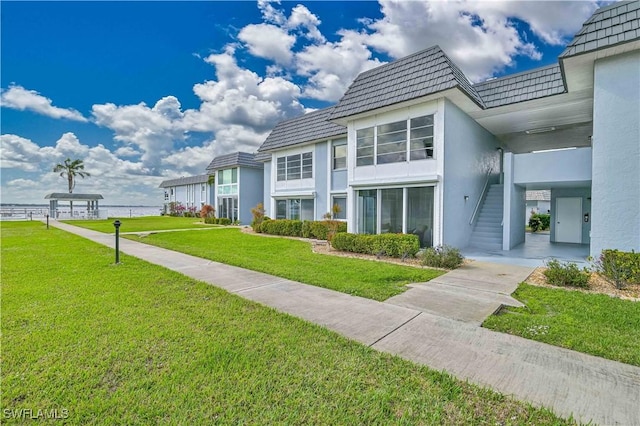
column 228, row 208
column 367, row 212
column 406, row 210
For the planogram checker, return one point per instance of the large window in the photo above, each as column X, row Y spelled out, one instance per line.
column 365, row 139
column 367, row 212
column 391, row 211
column 397, row 210
column 295, row 209
column 339, row 155
column 227, row 181
column 297, row 166
column 391, row 142
column 341, row 202
column 228, row 208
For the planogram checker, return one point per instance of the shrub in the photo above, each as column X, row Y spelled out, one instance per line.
column 207, row 211
column 287, row 227
column 217, row 221
column 392, row 245
column 621, row 268
column 446, row 257
column 258, row 217
column 539, row 222
column 566, row 274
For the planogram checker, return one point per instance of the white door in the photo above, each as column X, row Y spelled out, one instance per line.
column 568, row 220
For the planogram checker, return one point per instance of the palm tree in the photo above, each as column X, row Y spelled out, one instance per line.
column 70, row 170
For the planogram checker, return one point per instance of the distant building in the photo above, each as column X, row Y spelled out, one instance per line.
column 192, row 192
column 238, row 185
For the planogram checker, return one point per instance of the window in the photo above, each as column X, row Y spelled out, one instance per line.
column 228, row 208
column 392, row 142
column 408, row 210
column 292, row 167
column 364, row 146
column 389, row 143
column 307, row 165
column 295, row 209
column 341, row 202
column 166, row 195
column 227, row 181
column 339, row 156
column 421, row 138
column 391, row 211
column 367, row 212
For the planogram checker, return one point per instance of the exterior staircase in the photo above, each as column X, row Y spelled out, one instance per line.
column 487, row 233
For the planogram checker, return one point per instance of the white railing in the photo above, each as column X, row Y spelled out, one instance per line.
column 22, row 213
column 483, row 194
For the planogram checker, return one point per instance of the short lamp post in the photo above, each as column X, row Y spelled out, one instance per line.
column 47, row 221
column 117, row 224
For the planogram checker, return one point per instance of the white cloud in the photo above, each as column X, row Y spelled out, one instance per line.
column 240, row 97
column 27, row 172
column 302, row 18
column 331, row 67
column 17, row 97
column 151, row 131
column 480, row 36
column 269, row 42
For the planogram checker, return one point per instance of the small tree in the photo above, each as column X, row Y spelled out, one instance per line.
column 258, row 217
column 207, row 211
column 70, row 170
column 332, row 223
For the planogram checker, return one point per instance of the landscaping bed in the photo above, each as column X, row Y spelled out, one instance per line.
column 597, row 285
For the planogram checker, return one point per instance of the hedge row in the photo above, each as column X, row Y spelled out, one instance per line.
column 217, row 221
column 392, row 245
column 623, row 268
column 297, row 228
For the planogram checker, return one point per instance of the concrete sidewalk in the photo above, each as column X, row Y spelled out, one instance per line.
column 568, row 382
column 470, row 293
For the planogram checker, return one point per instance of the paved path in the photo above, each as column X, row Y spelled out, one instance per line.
column 568, row 382
column 470, row 294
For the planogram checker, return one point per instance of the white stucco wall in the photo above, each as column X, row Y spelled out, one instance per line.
column 266, row 191
column 616, row 154
column 514, row 206
column 573, row 165
column 321, row 174
column 469, row 152
column 250, row 191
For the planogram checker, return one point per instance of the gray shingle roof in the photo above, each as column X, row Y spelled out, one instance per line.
column 420, row 74
column 263, row 156
column 538, row 195
column 65, row 196
column 310, row 127
column 608, row 26
column 521, row 87
column 187, row 180
column 236, row 159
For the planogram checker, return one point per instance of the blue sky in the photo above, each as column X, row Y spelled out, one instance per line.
column 148, row 91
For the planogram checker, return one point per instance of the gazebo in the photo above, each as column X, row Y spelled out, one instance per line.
column 91, row 199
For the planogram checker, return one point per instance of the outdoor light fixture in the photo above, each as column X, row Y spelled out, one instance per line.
column 117, row 224
column 540, row 130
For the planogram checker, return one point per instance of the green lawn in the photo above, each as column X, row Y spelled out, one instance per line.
column 139, row 224
column 595, row 324
column 137, row 344
column 294, row 260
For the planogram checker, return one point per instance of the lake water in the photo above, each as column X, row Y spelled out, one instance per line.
column 23, row 212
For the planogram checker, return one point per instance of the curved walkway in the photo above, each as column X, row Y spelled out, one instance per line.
column 570, row 383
